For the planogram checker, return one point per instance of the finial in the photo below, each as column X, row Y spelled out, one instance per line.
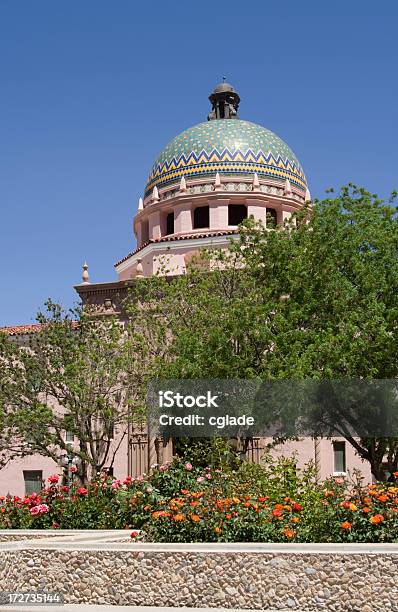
column 85, row 275
column 225, row 101
column 140, row 204
column 288, row 188
column 256, row 182
column 139, row 270
column 155, row 194
column 307, row 195
column 217, row 183
column 183, row 184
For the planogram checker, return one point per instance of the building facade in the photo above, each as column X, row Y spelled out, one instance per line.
column 203, row 184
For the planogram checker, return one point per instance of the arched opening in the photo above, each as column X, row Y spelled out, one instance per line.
column 271, row 217
column 170, row 224
column 201, row 217
column 144, row 231
column 236, row 213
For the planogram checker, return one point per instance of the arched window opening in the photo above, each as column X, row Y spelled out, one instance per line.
column 144, row 232
column 271, row 217
column 170, row 224
column 236, row 213
column 201, row 217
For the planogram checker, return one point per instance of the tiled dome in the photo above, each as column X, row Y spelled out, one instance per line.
column 230, row 147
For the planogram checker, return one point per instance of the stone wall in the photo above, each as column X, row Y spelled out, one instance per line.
column 106, row 567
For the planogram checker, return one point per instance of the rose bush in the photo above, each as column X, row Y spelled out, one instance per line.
column 186, row 502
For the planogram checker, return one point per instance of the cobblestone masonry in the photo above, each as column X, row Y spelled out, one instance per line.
column 274, row 577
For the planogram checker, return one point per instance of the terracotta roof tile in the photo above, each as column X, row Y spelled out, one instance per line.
column 15, row 330
column 182, row 237
column 33, row 328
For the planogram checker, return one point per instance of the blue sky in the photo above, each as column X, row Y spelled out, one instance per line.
column 91, row 91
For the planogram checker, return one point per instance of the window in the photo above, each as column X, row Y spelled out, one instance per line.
column 271, row 217
column 33, row 481
column 236, row 213
column 170, row 224
column 339, row 466
column 144, row 231
column 69, row 437
column 201, row 217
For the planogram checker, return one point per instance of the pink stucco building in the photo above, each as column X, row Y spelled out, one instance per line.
column 201, row 186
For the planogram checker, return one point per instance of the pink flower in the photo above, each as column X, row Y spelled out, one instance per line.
column 41, row 509
column 128, row 480
column 163, row 468
column 53, row 479
column 73, row 469
column 200, row 479
column 188, row 466
column 33, row 495
column 208, row 476
column 134, row 534
column 116, row 484
column 82, row 491
column 140, row 478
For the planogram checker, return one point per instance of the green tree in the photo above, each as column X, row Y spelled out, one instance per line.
column 77, row 375
column 316, row 298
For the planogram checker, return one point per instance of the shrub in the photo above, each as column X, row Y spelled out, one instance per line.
column 184, row 502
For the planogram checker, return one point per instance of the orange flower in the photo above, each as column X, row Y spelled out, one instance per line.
column 236, row 500
column 289, row 533
column 367, row 500
column 194, row 503
column 352, row 507
column 263, row 498
column 247, row 504
column 288, row 508
column 160, row 513
column 346, row 525
column 195, row 518
column 184, row 491
column 146, row 508
column 395, row 474
column 217, row 530
column 377, row 518
column 178, row 517
column 383, row 498
column 328, row 493
column 395, row 509
column 276, row 512
column 366, row 509
column 228, row 516
column 295, row 519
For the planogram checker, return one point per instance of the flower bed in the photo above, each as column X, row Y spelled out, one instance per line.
column 180, row 502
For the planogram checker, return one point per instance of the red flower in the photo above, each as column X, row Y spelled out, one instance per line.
column 53, row 479
column 377, row 518
column 82, row 491
column 134, row 534
column 296, row 507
